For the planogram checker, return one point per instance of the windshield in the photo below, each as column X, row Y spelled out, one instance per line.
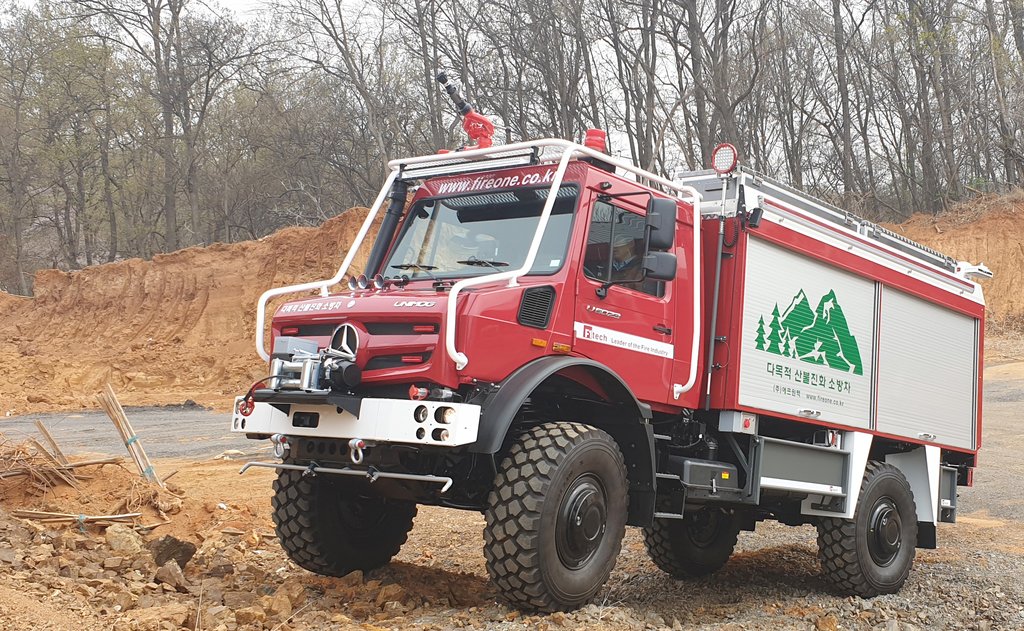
column 471, row 235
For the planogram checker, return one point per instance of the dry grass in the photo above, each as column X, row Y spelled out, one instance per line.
column 975, row 208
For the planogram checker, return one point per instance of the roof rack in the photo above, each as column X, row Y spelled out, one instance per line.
column 709, row 183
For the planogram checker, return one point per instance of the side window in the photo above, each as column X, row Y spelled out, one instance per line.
column 615, row 249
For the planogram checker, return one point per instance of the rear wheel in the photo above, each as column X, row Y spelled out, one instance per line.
column 332, row 526
column 556, row 516
column 698, row 544
column 872, row 553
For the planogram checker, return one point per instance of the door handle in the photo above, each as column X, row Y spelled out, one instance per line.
column 661, row 328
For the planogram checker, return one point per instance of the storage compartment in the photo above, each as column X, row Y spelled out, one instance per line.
column 927, row 371
column 808, row 330
column 797, row 467
column 705, row 479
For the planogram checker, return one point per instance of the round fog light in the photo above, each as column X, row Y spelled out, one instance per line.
column 444, row 415
column 420, row 413
column 439, row 434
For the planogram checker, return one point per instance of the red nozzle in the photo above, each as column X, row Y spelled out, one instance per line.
column 479, row 128
column 418, row 394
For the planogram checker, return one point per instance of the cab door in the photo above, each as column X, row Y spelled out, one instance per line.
column 630, row 329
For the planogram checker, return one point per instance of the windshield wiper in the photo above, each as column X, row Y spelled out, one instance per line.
column 497, row 265
column 419, row 268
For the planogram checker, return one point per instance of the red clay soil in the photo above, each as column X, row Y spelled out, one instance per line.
column 164, row 331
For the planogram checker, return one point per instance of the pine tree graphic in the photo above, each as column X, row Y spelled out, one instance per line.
column 775, row 337
column 819, row 336
column 759, row 340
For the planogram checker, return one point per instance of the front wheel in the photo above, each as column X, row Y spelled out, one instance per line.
column 556, row 516
column 872, row 553
column 331, row 526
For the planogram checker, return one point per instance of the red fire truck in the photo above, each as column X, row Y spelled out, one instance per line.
column 570, row 345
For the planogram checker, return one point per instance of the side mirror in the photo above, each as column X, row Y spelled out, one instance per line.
column 661, row 219
column 660, row 266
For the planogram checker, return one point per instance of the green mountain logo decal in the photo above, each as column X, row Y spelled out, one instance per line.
column 817, row 336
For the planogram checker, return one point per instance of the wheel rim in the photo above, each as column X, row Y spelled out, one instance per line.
column 582, row 521
column 885, row 532
column 702, row 527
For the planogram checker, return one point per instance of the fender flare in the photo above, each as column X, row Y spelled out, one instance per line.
column 631, row 430
column 499, row 409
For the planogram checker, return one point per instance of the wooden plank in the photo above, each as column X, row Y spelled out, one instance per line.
column 67, row 477
column 128, row 435
column 57, row 453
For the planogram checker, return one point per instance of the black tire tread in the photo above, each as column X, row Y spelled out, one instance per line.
column 658, row 539
column 837, row 544
column 513, row 513
column 302, row 527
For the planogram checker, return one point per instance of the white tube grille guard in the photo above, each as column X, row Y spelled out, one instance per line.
column 569, row 150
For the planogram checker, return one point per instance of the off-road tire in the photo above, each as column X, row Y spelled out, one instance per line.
column 692, row 547
column 332, row 526
column 849, row 549
column 538, row 554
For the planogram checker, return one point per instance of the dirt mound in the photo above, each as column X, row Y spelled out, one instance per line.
column 985, row 230
column 175, row 328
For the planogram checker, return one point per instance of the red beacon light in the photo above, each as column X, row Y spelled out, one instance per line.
column 596, row 139
column 724, row 158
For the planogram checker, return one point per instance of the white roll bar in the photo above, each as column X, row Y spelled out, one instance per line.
column 569, row 151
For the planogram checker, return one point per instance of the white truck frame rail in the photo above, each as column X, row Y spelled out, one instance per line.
column 569, row 151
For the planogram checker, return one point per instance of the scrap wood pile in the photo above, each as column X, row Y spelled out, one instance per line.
column 46, row 469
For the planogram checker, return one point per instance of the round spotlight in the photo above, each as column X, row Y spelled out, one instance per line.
column 420, row 413
column 421, row 433
column 444, row 415
column 439, row 434
column 724, row 158
column 362, row 281
column 379, row 282
column 352, row 283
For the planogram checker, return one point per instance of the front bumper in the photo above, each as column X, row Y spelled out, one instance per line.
column 375, row 420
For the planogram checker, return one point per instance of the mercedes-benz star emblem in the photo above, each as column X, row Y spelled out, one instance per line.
column 346, row 341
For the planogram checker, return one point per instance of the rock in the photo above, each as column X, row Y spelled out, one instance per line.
column 216, row 613
column 154, row 618
column 280, row 606
column 827, row 623
column 170, row 574
column 123, row 539
column 352, row 579
column 113, row 563
column 237, row 600
column 557, row 618
column 295, row 591
column 9, row 555
column 390, row 592
column 250, row 615
column 167, row 547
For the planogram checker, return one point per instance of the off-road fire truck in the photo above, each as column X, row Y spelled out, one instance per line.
column 570, row 345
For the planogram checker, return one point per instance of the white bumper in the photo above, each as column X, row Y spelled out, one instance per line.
column 379, row 420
